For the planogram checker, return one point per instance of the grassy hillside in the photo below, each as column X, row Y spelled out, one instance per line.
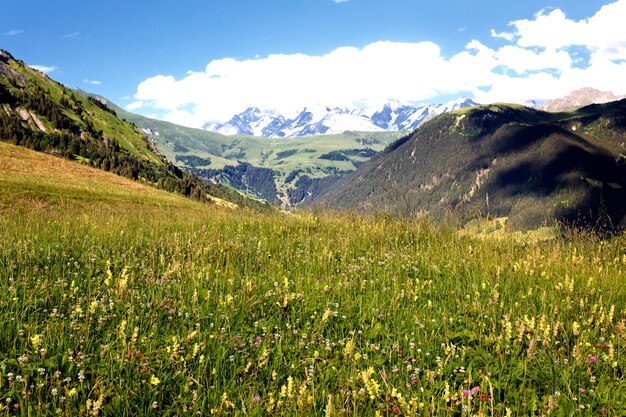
column 119, row 299
column 33, row 179
column 45, row 106
column 293, row 162
column 38, row 113
column 502, row 161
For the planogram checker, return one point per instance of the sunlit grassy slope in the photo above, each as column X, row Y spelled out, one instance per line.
column 39, row 113
column 120, row 300
column 81, row 112
column 32, row 178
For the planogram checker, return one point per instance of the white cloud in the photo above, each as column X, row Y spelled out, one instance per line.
column 71, row 35
column 341, row 1
column 44, row 68
column 525, row 60
column 508, row 36
column 536, row 62
column 92, row 82
column 134, row 105
column 14, row 32
column 603, row 33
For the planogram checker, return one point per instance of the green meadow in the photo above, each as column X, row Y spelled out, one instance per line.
column 121, row 300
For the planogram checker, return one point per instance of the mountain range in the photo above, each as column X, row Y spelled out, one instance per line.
column 323, row 120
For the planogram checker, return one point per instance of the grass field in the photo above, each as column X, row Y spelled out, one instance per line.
column 121, row 300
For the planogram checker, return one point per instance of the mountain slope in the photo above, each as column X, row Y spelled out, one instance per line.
column 36, row 178
column 322, row 120
column 501, row 161
column 38, row 113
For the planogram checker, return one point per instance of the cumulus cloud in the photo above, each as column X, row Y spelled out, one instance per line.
column 604, row 32
column 537, row 61
column 44, row 68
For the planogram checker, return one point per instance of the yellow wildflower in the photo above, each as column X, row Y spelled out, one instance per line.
column 154, row 380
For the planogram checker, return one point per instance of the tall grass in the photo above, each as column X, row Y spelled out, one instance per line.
column 136, row 309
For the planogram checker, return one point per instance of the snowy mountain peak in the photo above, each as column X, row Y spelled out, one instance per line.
column 459, row 103
column 321, row 120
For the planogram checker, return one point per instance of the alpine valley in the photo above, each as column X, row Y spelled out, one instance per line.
column 287, row 161
column 339, row 232
column 524, row 166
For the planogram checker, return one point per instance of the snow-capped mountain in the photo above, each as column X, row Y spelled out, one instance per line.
column 251, row 121
column 322, row 120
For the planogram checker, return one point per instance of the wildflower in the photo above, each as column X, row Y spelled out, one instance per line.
column 592, row 358
column 256, row 399
column 154, row 380
column 373, row 388
column 289, row 387
column 35, row 340
column 470, row 392
column 326, row 315
column 581, row 389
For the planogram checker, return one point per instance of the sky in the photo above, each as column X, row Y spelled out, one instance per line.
column 195, row 61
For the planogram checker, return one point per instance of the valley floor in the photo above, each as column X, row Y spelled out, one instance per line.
column 121, row 301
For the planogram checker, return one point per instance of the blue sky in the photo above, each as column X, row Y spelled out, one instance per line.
column 169, row 59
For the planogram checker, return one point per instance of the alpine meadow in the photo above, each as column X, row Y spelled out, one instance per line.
column 337, row 208
column 123, row 300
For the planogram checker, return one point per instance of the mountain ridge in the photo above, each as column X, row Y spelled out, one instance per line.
column 505, row 161
column 326, row 120
column 579, row 98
